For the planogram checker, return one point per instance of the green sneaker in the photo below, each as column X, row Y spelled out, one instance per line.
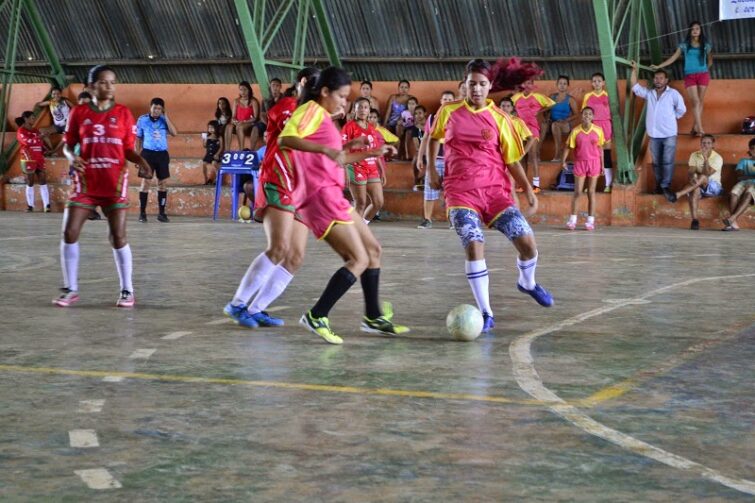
column 319, row 326
column 382, row 325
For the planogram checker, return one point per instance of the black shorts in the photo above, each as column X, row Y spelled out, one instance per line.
column 59, row 129
column 159, row 161
column 209, row 158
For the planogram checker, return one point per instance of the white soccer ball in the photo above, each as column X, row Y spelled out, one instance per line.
column 464, row 322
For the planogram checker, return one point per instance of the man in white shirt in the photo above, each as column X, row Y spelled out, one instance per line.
column 664, row 107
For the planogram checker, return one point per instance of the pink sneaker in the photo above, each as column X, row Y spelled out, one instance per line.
column 589, row 226
column 126, row 299
column 571, row 225
column 67, row 298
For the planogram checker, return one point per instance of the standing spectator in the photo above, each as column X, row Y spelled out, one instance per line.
column 365, row 91
column 276, row 94
column 60, row 108
column 396, row 106
column 562, row 113
column 32, row 159
column 246, row 112
column 531, row 107
column 213, row 145
column 704, row 178
column 698, row 60
column 152, row 132
column 665, row 106
column 743, row 193
column 224, row 116
column 462, row 90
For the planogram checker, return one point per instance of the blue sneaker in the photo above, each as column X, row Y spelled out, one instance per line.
column 540, row 294
column 265, row 320
column 488, row 323
column 240, row 315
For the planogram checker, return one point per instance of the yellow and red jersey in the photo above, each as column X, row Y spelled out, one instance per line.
column 587, row 145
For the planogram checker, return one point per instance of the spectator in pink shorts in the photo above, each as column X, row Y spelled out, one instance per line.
column 587, row 142
column 598, row 100
column 531, row 107
column 698, row 60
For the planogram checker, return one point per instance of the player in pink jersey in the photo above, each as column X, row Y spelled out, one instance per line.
column 366, row 177
column 598, row 100
column 587, row 142
column 272, row 270
column 481, row 145
column 318, row 159
column 106, row 132
column 531, row 107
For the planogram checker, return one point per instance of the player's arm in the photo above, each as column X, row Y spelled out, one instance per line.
column 296, row 143
column 359, row 141
column 133, row 156
column 353, row 157
column 521, row 180
column 42, row 104
column 383, row 173
column 433, row 147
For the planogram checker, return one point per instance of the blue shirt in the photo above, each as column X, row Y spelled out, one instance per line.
column 153, row 133
column 562, row 109
column 746, row 167
column 695, row 60
column 662, row 111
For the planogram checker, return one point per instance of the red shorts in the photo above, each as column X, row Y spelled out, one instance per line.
column 107, row 204
column 607, row 128
column 323, row 209
column 32, row 165
column 488, row 202
column 697, row 79
column 275, row 185
column 363, row 173
column 590, row 167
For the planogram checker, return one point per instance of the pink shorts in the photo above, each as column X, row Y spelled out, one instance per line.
column 697, row 79
column 488, row 202
column 607, row 128
column 590, row 167
column 323, row 209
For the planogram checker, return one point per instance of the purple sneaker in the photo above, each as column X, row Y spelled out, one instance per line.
column 265, row 320
column 540, row 294
column 488, row 323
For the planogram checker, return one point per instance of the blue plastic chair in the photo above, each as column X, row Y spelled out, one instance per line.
column 236, row 164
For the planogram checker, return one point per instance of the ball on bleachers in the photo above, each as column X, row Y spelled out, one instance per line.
column 464, row 322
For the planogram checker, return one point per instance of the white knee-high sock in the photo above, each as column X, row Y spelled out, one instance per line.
column 527, row 272
column 30, row 195
column 276, row 284
column 477, row 275
column 256, row 275
column 609, row 176
column 45, row 193
column 123, row 263
column 69, row 262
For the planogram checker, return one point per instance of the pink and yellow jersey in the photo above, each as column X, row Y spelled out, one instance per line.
column 587, row 145
column 521, row 128
column 32, row 146
column 599, row 104
column 353, row 130
column 478, row 145
column 314, row 171
column 527, row 108
column 105, row 136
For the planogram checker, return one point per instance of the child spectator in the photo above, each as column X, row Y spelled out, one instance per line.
column 60, row 108
column 414, row 137
column 562, row 114
column 404, row 125
column 32, row 159
column 396, row 106
column 743, row 193
column 246, row 112
column 388, row 138
column 704, row 176
column 224, row 116
column 531, row 107
column 212, row 143
column 462, row 90
column 598, row 100
column 507, row 105
column 587, row 142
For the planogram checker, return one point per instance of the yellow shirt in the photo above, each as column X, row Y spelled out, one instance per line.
column 715, row 161
column 389, row 137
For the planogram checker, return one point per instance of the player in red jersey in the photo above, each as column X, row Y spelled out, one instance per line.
column 272, row 270
column 32, row 159
column 105, row 131
column 366, row 178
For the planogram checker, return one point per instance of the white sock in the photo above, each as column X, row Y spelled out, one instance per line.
column 122, row 257
column 536, row 181
column 276, row 284
column 256, row 275
column 572, row 219
column 609, row 176
column 477, row 275
column 590, row 220
column 30, row 196
column 527, row 272
column 45, row 193
column 69, row 262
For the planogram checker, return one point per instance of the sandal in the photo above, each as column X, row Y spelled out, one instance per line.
column 729, row 228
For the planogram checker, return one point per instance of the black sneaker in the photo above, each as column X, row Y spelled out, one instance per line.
column 143, row 217
column 162, row 217
column 29, row 209
column 48, row 209
column 695, row 226
column 426, row 224
column 671, row 196
column 658, row 190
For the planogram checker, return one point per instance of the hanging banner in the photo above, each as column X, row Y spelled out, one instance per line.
column 736, row 9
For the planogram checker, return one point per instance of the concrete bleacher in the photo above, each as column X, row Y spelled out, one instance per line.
column 191, row 106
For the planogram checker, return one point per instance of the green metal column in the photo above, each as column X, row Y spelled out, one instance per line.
column 625, row 173
column 300, row 37
column 58, row 74
column 8, row 76
column 326, row 33
column 252, row 40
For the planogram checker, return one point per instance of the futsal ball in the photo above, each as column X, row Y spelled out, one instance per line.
column 464, row 322
column 245, row 214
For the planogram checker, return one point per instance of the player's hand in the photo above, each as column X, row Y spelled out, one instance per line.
column 387, row 149
column 420, row 164
column 564, row 165
column 434, row 180
column 532, row 201
column 634, row 65
column 78, row 164
column 383, row 178
column 337, row 155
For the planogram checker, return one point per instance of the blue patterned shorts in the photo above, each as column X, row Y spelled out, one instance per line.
column 468, row 225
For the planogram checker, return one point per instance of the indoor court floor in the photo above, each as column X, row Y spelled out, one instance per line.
column 636, row 386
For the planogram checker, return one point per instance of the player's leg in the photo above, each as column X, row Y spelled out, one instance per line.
column 73, row 220
column 116, row 217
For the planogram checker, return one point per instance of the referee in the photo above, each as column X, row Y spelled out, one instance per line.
column 152, row 132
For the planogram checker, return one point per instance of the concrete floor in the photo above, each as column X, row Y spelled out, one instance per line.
column 636, row 386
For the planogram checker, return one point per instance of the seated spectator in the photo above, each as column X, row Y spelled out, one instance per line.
column 246, row 113
column 60, row 107
column 224, row 116
column 388, row 137
column 704, row 178
column 405, row 123
column 213, row 145
column 563, row 113
column 396, row 106
column 743, row 193
column 414, row 136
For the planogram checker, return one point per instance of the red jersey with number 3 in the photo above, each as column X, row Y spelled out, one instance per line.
column 104, row 136
column 277, row 168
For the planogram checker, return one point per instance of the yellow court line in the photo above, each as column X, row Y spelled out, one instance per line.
column 273, row 384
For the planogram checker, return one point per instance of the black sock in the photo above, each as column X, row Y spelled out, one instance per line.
column 162, row 200
column 370, row 282
column 338, row 285
column 607, row 163
column 143, row 201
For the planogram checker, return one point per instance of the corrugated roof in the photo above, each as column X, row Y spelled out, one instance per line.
column 201, row 40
